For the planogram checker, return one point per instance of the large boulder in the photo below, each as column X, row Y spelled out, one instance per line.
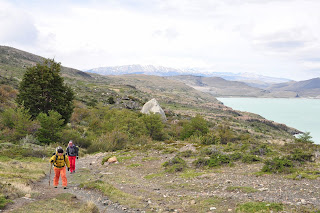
column 154, row 107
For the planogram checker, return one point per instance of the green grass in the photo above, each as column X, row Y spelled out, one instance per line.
column 62, row 203
column 134, row 165
column 253, row 207
column 3, row 201
column 244, row 189
column 155, row 175
column 114, row 194
column 150, row 159
column 312, row 175
column 203, row 205
column 190, row 173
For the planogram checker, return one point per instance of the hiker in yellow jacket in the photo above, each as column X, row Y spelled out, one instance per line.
column 60, row 161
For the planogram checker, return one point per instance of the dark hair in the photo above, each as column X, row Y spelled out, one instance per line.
column 60, row 150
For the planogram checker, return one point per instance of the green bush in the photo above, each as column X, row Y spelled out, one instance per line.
column 200, row 162
column 186, row 154
column 263, row 149
column 3, row 201
column 154, row 126
column 304, row 138
column 19, row 123
column 17, row 151
column 278, row 165
column 236, row 156
column 225, row 134
column 197, row 126
column 176, row 164
column 209, row 139
column 209, row 151
column 113, row 141
column 51, row 126
column 300, row 156
column 250, row 158
column 218, row 160
column 252, row 207
column 80, row 140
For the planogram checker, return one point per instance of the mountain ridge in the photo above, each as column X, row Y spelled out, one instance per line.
column 168, row 71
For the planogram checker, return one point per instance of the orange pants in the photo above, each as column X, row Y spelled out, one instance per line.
column 57, row 172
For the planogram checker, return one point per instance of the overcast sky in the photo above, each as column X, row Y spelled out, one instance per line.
column 279, row 38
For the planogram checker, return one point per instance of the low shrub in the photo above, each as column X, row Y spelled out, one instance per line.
column 278, row 165
column 209, row 151
column 235, row 156
column 300, row 156
column 200, row 162
column 80, row 140
column 113, row 141
column 252, row 207
column 186, row 154
column 209, row 139
column 3, row 201
column 261, row 150
column 218, row 160
column 176, row 164
column 250, row 158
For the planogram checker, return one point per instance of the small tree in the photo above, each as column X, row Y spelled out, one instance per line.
column 304, row 138
column 51, row 127
column 154, row 126
column 19, row 121
column 225, row 134
column 42, row 89
column 196, row 126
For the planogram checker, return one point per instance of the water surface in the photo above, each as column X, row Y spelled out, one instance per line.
column 302, row 114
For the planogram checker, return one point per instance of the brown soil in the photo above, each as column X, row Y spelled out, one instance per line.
column 142, row 175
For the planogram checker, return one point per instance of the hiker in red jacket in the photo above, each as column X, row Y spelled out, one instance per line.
column 72, row 152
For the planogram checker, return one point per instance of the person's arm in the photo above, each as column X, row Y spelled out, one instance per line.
column 52, row 159
column 67, row 162
column 77, row 152
column 67, row 151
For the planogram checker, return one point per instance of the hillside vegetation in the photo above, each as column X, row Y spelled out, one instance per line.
column 200, row 137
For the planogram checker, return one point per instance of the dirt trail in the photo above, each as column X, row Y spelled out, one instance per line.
column 45, row 191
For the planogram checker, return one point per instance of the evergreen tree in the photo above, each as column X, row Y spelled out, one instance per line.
column 42, row 89
column 51, row 127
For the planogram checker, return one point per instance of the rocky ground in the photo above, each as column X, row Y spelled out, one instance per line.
column 141, row 174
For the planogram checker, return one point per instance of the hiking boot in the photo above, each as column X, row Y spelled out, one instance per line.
column 56, row 187
column 65, row 187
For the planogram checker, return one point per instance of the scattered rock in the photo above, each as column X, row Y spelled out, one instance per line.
column 303, row 201
column 113, row 159
column 193, row 202
column 263, row 189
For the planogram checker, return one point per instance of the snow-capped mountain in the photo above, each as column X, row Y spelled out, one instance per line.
column 249, row 78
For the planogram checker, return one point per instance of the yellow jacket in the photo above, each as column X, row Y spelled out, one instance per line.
column 60, row 161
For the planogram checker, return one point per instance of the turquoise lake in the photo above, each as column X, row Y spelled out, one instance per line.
column 302, row 114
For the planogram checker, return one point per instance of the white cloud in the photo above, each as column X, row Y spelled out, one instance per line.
column 17, row 27
column 268, row 37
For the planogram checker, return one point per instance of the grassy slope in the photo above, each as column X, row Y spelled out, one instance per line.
column 173, row 96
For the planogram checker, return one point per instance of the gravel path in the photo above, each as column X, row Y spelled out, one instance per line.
column 46, row 192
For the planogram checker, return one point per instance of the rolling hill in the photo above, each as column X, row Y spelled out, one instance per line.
column 308, row 88
column 132, row 91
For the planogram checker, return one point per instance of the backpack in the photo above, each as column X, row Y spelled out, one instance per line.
column 64, row 156
column 73, row 150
